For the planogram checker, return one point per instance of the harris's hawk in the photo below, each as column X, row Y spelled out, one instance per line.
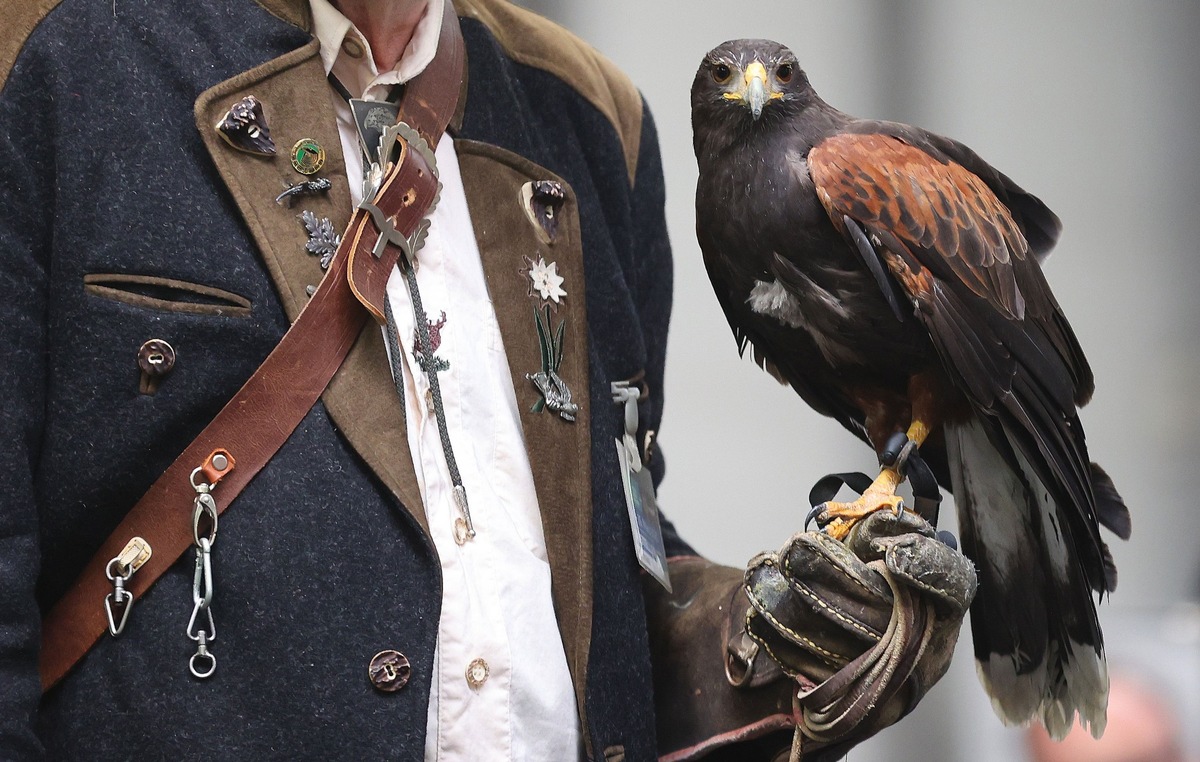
column 891, row 276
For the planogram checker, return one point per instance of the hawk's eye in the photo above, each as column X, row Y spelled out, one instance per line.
column 784, row 73
column 721, row 73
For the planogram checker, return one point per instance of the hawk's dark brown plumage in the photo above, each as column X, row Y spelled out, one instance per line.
column 881, row 269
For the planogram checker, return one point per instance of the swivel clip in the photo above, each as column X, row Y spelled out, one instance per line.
column 201, row 628
column 120, row 570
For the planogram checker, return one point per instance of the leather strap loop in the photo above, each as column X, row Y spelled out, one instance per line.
column 266, row 410
column 838, row 708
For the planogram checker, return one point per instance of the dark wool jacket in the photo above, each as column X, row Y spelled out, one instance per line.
column 124, row 217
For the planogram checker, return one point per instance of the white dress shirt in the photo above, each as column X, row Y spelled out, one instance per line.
column 497, row 618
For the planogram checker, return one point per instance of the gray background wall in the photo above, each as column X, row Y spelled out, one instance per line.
column 1092, row 105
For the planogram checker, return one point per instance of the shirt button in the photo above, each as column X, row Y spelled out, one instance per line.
column 352, row 47
column 389, row 671
column 477, row 673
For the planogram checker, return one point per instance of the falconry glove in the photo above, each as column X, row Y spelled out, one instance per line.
column 808, row 651
column 864, row 628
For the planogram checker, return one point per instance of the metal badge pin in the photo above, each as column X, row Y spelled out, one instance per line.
column 308, row 188
column 323, row 240
column 371, row 118
column 308, row 156
column 244, row 126
column 543, row 201
column 556, row 395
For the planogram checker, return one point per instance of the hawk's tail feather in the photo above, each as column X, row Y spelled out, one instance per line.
column 1037, row 640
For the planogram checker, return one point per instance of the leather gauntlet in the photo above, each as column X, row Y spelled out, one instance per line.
column 837, row 642
column 864, row 628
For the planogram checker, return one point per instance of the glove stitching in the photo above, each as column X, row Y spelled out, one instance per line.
column 836, row 563
column 796, row 637
column 775, row 657
column 806, row 591
column 779, row 661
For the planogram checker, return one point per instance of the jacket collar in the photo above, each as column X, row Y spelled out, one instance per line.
column 294, row 12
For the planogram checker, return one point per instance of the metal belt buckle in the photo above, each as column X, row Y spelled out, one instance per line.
column 373, row 180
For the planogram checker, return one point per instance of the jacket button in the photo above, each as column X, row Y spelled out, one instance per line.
column 389, row 671
column 155, row 359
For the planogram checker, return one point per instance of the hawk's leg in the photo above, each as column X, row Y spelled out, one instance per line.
column 838, row 518
column 928, row 393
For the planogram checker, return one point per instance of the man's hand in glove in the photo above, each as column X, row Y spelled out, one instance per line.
column 840, row 640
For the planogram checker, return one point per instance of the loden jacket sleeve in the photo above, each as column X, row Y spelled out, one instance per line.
column 26, row 204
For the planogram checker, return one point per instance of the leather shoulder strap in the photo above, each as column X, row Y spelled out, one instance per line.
column 266, row 410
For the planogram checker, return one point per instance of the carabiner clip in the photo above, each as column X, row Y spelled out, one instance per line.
column 202, row 578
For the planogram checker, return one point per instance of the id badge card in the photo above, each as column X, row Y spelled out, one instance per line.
column 643, row 512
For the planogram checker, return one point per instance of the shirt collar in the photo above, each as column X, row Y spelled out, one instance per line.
column 340, row 38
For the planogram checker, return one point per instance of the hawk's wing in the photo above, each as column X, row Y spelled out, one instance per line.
column 959, row 256
column 789, row 363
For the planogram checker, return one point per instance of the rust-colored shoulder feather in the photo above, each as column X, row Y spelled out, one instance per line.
column 936, row 208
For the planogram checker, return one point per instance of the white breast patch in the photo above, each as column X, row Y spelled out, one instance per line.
column 774, row 300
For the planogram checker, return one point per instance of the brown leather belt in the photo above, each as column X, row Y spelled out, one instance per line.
column 266, row 410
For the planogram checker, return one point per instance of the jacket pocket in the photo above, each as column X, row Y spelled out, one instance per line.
column 166, row 294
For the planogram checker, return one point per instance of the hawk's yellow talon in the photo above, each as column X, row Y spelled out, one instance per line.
column 837, row 519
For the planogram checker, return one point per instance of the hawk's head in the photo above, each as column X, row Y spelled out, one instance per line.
column 743, row 86
column 750, row 78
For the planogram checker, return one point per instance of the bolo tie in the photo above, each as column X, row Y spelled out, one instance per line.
column 464, row 528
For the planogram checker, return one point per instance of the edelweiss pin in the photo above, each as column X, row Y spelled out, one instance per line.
column 244, row 126
column 555, row 393
column 544, row 280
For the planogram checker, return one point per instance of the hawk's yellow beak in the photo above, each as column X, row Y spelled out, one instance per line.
column 755, row 92
column 756, row 87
